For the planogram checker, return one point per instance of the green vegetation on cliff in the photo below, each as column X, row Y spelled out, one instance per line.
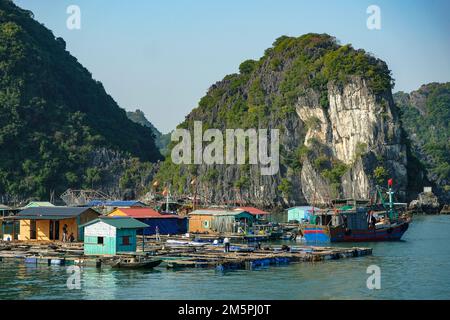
column 53, row 114
column 425, row 115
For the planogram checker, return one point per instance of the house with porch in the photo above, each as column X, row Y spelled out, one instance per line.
column 48, row 223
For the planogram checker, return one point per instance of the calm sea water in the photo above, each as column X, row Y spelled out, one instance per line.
column 416, row 268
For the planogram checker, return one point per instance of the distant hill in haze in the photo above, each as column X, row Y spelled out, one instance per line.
column 59, row 128
column 162, row 140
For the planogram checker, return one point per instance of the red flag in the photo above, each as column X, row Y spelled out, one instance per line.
column 390, row 182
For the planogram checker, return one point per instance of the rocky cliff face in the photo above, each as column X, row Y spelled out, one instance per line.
column 358, row 128
column 340, row 133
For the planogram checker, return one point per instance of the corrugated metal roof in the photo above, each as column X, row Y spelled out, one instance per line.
column 51, row 212
column 217, row 212
column 39, row 204
column 115, row 203
column 119, row 222
column 303, row 208
column 252, row 210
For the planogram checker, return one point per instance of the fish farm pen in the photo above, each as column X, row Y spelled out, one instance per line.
column 176, row 255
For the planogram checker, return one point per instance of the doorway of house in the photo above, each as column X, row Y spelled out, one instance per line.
column 33, row 229
column 54, row 230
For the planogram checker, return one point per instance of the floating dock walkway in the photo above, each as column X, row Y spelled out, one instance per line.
column 178, row 257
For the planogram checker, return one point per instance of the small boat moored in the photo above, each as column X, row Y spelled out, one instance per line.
column 135, row 263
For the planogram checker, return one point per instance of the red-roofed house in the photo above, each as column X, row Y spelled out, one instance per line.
column 252, row 210
column 167, row 223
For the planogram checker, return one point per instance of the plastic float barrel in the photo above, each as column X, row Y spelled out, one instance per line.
column 31, row 260
column 220, row 268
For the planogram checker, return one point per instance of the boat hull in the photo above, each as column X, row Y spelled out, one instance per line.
column 317, row 234
column 137, row 265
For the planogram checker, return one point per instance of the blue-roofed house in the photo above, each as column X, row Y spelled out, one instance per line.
column 301, row 213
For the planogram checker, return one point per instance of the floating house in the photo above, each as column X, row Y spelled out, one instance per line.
column 219, row 221
column 47, row 223
column 8, row 230
column 258, row 213
column 301, row 213
column 166, row 223
column 111, row 235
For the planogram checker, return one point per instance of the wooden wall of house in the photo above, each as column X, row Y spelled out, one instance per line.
column 91, row 246
column 24, row 230
column 87, row 216
column 197, row 223
column 93, row 232
column 131, row 247
column 43, row 227
column 72, row 226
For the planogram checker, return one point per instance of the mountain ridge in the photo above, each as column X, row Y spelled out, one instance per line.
column 162, row 140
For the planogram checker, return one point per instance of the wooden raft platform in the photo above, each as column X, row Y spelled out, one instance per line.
column 259, row 258
column 176, row 257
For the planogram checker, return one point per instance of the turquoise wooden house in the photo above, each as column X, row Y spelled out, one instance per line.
column 301, row 213
column 110, row 236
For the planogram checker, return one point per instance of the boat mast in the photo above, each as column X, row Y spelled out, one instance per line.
column 391, row 200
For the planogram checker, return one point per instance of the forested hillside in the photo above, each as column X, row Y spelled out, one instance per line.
column 55, row 119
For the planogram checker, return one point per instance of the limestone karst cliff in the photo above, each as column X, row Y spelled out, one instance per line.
column 340, row 133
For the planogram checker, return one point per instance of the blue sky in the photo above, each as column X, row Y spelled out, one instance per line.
column 161, row 56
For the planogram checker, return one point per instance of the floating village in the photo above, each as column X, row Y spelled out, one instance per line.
column 92, row 230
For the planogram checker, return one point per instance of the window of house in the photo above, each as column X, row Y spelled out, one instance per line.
column 206, row 224
column 100, row 240
column 126, row 240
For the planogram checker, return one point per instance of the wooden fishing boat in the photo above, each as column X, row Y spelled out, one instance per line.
column 357, row 221
column 135, row 263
